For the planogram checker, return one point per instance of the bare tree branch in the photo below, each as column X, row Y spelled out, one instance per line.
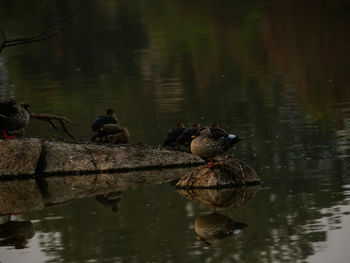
column 50, row 117
column 50, row 31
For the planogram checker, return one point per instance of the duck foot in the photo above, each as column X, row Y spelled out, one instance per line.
column 6, row 136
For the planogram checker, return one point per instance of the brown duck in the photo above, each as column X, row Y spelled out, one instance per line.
column 211, row 143
column 14, row 117
column 112, row 133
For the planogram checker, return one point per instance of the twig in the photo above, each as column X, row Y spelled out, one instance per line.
column 50, row 31
column 50, row 117
column 64, row 128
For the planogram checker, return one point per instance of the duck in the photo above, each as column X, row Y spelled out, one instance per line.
column 173, row 135
column 211, row 143
column 108, row 118
column 187, row 136
column 14, row 117
column 112, row 133
column 120, row 135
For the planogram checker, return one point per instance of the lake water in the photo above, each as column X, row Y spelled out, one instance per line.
column 276, row 74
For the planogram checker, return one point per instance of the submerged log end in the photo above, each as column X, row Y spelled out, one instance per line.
column 231, row 172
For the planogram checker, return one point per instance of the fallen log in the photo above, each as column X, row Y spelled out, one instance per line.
column 34, row 156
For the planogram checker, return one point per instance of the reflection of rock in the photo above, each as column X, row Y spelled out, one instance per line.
column 216, row 226
column 231, row 172
column 110, row 200
column 16, row 233
column 223, row 198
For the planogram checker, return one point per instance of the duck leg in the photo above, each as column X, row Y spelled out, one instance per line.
column 6, row 136
column 212, row 163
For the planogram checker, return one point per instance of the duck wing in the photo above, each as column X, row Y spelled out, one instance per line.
column 102, row 120
column 217, row 133
column 228, row 141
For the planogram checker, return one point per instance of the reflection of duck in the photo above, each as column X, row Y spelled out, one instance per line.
column 110, row 200
column 14, row 117
column 216, row 226
column 173, row 134
column 228, row 198
column 188, row 135
column 16, row 233
column 212, row 142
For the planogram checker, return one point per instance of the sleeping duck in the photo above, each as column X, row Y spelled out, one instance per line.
column 188, row 135
column 173, row 134
column 211, row 142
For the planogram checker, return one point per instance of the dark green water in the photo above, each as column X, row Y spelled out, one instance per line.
column 277, row 74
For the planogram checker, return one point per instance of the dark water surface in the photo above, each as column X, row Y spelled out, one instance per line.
column 275, row 73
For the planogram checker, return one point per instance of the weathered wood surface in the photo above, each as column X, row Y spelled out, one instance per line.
column 229, row 173
column 17, row 196
column 32, row 156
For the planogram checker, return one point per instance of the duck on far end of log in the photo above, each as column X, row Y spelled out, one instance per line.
column 14, row 117
column 212, row 142
column 108, row 130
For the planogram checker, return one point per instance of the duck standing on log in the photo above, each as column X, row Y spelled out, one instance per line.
column 108, row 130
column 212, row 142
column 14, row 117
column 173, row 134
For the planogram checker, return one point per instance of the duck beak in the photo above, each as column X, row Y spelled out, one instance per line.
column 193, row 136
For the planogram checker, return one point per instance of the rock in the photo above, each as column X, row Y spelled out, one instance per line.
column 231, row 172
